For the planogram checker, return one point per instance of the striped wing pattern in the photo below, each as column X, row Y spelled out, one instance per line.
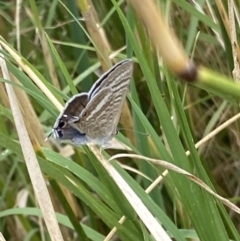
column 107, row 97
column 120, row 87
column 112, row 77
column 94, row 120
column 93, row 116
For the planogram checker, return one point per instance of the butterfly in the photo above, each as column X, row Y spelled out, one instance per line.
column 93, row 117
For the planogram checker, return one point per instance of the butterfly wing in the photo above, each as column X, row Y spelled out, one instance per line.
column 102, row 113
column 94, row 119
column 120, row 84
column 63, row 128
column 112, row 77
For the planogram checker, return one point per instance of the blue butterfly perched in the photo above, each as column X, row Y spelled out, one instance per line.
column 93, row 117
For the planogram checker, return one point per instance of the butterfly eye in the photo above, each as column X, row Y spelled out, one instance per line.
column 62, row 124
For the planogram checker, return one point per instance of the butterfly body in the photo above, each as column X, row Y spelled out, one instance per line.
column 93, row 117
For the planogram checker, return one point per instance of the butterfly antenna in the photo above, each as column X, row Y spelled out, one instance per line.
column 142, row 133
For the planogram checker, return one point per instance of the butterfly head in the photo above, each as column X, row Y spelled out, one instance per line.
column 65, row 129
column 57, row 130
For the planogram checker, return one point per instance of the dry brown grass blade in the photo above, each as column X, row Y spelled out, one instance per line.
column 114, row 230
column 223, row 15
column 35, row 174
column 134, row 170
column 229, row 24
column 30, row 118
column 96, row 32
column 18, row 22
column 234, row 42
column 3, row 95
column 193, row 178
